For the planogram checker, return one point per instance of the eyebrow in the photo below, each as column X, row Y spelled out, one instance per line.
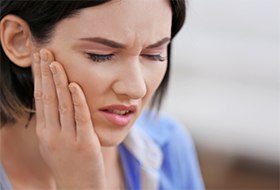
column 117, row 45
column 105, row 42
column 159, row 43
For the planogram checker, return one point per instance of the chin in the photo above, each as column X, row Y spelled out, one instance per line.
column 110, row 138
column 111, row 142
column 112, row 135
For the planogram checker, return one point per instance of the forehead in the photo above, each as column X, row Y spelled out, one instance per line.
column 122, row 20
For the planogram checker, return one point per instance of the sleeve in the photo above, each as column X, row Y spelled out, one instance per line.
column 180, row 163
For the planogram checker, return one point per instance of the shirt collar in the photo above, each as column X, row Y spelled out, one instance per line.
column 149, row 155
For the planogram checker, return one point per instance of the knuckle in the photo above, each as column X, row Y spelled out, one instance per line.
column 81, row 118
column 38, row 95
column 64, row 108
column 48, row 98
column 45, row 72
column 58, row 82
column 77, row 102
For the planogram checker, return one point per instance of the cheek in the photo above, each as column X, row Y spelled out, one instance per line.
column 155, row 76
column 80, row 71
column 92, row 81
column 75, row 68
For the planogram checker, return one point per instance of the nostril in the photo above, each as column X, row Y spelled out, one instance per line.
column 131, row 81
column 133, row 90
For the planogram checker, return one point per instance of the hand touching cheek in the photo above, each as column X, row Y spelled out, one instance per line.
column 68, row 142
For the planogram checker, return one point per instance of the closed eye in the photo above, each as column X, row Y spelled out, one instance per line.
column 100, row 57
column 157, row 57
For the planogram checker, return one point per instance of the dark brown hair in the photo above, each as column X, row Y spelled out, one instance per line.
column 16, row 83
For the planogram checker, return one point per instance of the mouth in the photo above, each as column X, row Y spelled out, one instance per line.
column 119, row 112
column 119, row 115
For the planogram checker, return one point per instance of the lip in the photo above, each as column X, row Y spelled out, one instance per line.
column 117, row 119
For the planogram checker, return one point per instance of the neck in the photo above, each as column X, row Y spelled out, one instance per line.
column 113, row 168
column 20, row 154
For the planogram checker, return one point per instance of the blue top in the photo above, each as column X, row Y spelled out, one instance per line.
column 158, row 153
column 4, row 181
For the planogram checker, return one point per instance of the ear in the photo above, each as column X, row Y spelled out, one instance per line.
column 16, row 40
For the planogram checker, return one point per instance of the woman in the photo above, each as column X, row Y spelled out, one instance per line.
column 95, row 66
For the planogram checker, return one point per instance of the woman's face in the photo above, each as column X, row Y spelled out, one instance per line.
column 117, row 53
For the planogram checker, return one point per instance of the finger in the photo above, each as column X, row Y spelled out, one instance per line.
column 81, row 112
column 38, row 94
column 49, row 92
column 64, row 98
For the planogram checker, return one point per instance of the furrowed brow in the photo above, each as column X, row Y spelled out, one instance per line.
column 106, row 42
column 159, row 43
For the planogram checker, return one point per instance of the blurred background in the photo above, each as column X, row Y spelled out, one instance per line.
column 225, row 88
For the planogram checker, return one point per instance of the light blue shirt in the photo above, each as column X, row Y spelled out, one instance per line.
column 156, row 154
column 4, row 181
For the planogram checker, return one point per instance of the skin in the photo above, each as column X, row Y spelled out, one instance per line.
column 71, row 87
column 129, row 78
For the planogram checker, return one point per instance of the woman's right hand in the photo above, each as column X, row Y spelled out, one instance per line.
column 67, row 140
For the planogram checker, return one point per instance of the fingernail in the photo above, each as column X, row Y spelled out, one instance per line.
column 36, row 58
column 53, row 68
column 71, row 88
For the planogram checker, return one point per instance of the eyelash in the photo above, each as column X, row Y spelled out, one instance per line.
column 108, row 57
column 100, row 57
column 155, row 57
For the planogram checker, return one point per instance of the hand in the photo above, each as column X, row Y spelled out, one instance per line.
column 67, row 140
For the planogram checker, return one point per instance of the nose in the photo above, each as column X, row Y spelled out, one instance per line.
column 131, row 82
